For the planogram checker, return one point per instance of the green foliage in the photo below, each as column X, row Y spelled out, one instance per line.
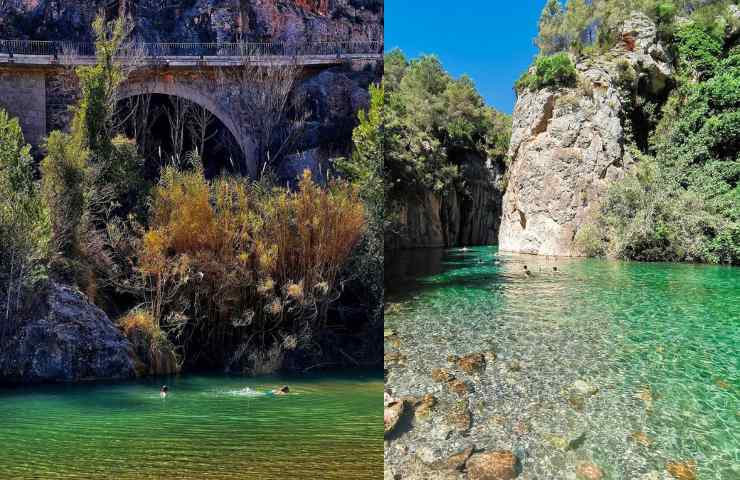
column 394, row 68
column 591, row 26
column 550, row 71
column 648, row 217
column 428, row 115
column 698, row 49
column 98, row 84
column 550, row 38
column 365, row 170
column 24, row 226
column 64, row 174
column 684, row 203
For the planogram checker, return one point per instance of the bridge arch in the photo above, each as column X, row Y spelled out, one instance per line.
column 200, row 98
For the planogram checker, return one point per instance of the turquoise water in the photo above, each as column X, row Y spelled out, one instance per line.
column 209, row 427
column 660, row 343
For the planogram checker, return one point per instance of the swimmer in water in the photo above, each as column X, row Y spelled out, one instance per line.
column 164, row 391
column 284, row 390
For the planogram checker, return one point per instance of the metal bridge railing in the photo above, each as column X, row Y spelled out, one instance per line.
column 155, row 50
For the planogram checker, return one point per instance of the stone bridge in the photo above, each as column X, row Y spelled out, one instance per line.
column 35, row 76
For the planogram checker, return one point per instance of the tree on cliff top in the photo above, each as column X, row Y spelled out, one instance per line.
column 429, row 115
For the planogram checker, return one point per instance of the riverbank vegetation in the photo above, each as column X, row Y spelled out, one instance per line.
column 681, row 201
column 226, row 272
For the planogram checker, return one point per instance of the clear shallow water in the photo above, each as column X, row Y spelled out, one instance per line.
column 210, row 427
column 660, row 342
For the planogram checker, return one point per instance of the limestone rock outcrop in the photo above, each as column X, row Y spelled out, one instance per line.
column 65, row 339
column 567, row 144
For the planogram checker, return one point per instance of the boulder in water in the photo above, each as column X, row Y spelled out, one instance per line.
column 65, row 338
column 498, row 465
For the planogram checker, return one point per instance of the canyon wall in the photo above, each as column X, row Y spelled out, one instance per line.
column 199, row 20
column 456, row 217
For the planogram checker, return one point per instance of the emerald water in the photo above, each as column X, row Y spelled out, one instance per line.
column 657, row 346
column 209, row 427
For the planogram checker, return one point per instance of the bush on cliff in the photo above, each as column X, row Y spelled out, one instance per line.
column 649, row 217
column 550, row 71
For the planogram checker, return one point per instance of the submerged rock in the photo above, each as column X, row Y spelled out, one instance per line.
column 423, row 408
column 459, row 417
column 458, row 460
column 499, row 465
column 392, row 415
column 565, row 442
column 685, row 470
column 642, row 439
column 460, row 388
column 589, row 471
column 65, row 338
column 442, row 375
column 584, row 388
column 394, row 358
column 472, row 363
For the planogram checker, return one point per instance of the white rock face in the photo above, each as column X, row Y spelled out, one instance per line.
column 567, row 146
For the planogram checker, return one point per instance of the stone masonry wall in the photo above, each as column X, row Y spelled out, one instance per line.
column 23, row 95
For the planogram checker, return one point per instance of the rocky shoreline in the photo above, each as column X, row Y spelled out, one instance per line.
column 65, row 338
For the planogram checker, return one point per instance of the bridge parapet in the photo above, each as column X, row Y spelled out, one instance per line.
column 33, row 52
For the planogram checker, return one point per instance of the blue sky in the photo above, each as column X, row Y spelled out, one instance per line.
column 490, row 40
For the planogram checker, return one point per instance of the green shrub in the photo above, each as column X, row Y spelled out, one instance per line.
column 550, row 71
column 699, row 51
column 589, row 241
column 24, row 222
column 63, row 173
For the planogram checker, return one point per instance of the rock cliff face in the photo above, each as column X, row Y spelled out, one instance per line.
column 198, row 20
column 65, row 339
column 470, row 217
column 567, row 144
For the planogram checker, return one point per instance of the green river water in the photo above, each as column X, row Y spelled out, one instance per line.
column 210, row 427
column 659, row 343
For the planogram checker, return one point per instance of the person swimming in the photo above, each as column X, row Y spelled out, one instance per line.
column 284, row 390
column 164, row 391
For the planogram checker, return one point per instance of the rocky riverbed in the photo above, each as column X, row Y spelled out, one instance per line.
column 496, row 373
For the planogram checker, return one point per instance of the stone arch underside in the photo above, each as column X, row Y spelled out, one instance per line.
column 200, row 98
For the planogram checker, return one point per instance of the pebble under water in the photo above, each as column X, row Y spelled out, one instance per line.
column 209, row 427
column 633, row 367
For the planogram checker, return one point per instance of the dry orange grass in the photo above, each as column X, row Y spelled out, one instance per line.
column 215, row 250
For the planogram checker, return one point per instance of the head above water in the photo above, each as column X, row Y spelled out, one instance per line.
column 284, row 389
column 164, row 389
